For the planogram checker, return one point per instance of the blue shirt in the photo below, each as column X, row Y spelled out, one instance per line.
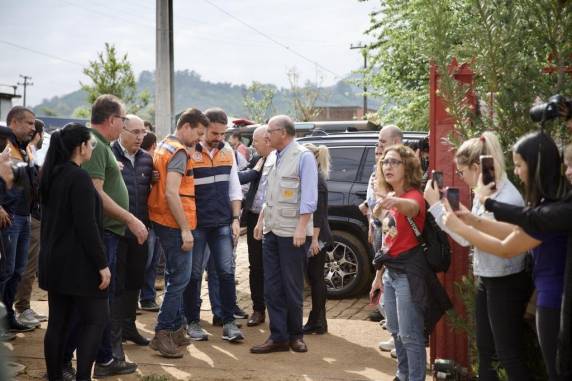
column 549, row 264
column 308, row 180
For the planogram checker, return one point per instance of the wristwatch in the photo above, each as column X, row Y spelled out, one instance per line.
column 236, row 217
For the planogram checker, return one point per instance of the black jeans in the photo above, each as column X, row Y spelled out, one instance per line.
column 93, row 316
column 256, row 275
column 315, row 273
column 499, row 305
column 548, row 327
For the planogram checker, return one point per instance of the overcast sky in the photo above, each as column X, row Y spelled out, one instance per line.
column 52, row 40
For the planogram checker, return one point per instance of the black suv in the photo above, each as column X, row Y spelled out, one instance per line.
column 348, row 270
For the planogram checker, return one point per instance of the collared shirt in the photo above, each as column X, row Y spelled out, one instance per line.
column 258, row 201
column 127, row 154
column 234, row 188
column 308, row 170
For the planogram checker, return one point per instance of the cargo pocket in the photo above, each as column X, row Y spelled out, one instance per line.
column 289, row 190
column 289, row 217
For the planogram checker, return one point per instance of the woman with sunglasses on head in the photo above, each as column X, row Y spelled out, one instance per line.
column 73, row 266
column 536, row 160
column 503, row 285
column 413, row 298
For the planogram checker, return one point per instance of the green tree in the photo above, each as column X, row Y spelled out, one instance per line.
column 257, row 99
column 111, row 73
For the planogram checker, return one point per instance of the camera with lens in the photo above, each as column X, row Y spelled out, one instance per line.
column 557, row 106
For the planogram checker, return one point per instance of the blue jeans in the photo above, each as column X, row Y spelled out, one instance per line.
column 177, row 274
column 219, row 242
column 284, row 270
column 111, row 240
column 148, row 290
column 16, row 239
column 406, row 324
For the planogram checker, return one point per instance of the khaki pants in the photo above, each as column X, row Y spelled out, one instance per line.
column 24, row 293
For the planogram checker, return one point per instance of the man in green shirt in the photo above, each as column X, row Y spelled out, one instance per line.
column 107, row 121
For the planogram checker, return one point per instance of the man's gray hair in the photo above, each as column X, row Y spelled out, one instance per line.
column 285, row 122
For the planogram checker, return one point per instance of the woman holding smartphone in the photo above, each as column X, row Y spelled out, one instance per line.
column 536, row 159
column 503, row 285
column 413, row 297
column 321, row 242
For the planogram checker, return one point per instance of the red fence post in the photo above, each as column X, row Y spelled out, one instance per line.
column 446, row 343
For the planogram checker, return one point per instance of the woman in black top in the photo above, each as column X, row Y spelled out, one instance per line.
column 321, row 242
column 73, row 266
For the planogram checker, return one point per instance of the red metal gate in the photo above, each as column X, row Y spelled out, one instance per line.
column 446, row 343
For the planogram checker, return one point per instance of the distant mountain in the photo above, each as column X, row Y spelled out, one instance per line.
column 191, row 90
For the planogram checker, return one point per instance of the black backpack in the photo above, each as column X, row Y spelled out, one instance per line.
column 435, row 243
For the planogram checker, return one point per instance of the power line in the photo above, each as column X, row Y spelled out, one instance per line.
column 42, row 53
column 293, row 51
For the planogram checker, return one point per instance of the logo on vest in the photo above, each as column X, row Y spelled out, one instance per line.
column 197, row 156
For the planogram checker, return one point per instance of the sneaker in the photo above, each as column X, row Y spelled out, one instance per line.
column 217, row 322
column 16, row 326
column 196, row 332
column 239, row 313
column 231, row 332
column 114, row 368
column 39, row 316
column 149, row 305
column 383, row 324
column 393, row 353
column 68, row 372
column 7, row 336
column 386, row 346
column 29, row 318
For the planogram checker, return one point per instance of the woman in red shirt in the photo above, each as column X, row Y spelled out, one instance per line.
column 399, row 174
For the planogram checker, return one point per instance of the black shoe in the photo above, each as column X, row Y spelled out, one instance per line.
column 68, row 372
column 15, row 326
column 217, row 322
column 239, row 313
column 130, row 333
column 150, row 305
column 318, row 329
column 116, row 367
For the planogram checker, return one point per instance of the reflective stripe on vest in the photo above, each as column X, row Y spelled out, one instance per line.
column 211, row 179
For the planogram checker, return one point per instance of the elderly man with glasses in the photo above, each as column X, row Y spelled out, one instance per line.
column 137, row 171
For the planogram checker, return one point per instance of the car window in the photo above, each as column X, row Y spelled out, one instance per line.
column 368, row 165
column 344, row 163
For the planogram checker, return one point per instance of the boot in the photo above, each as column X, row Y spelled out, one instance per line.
column 180, row 337
column 130, row 333
column 164, row 344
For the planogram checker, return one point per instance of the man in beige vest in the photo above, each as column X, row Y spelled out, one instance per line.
column 286, row 223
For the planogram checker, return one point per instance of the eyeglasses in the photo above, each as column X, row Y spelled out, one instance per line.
column 391, row 162
column 136, row 132
column 124, row 119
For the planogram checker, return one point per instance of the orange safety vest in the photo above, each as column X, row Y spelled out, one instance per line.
column 159, row 211
column 16, row 152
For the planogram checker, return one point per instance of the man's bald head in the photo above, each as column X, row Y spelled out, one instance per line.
column 389, row 135
column 134, row 122
column 284, row 122
column 260, row 131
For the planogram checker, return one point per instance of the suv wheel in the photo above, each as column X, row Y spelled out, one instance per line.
column 347, row 270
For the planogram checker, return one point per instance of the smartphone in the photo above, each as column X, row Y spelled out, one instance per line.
column 453, row 198
column 488, row 169
column 437, row 177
